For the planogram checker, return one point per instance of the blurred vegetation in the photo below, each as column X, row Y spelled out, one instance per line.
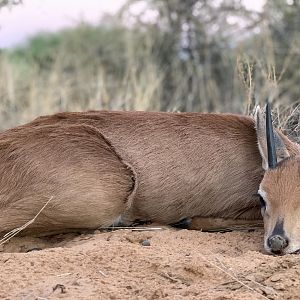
column 9, row 3
column 192, row 55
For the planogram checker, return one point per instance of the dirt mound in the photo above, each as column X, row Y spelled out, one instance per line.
column 169, row 264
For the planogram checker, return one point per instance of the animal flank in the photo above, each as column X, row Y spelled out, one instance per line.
column 200, row 170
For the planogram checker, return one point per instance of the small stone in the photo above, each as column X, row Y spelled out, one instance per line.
column 276, row 277
column 145, row 243
column 60, row 287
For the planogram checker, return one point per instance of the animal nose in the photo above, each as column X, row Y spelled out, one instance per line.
column 277, row 243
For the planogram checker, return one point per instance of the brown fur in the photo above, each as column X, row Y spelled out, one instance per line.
column 187, row 164
column 280, row 191
column 161, row 167
column 75, row 165
column 281, row 186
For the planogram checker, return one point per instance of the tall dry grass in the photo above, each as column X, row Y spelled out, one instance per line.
column 93, row 76
column 76, row 82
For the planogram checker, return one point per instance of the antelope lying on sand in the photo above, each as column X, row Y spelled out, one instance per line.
column 102, row 168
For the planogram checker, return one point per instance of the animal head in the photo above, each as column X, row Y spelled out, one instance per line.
column 279, row 190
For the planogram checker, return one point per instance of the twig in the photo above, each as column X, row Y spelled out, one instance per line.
column 132, row 228
column 233, row 277
column 15, row 231
column 102, row 273
column 234, row 273
column 167, row 276
column 64, row 274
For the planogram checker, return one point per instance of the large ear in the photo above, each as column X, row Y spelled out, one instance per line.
column 280, row 147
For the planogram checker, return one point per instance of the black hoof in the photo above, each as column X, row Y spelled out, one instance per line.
column 183, row 223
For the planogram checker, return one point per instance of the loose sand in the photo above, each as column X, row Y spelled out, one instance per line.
column 178, row 264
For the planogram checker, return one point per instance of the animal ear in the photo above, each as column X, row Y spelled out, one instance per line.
column 280, row 147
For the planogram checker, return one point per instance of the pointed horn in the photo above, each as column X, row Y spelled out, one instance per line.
column 272, row 158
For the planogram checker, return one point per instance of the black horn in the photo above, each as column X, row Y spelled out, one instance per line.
column 272, row 158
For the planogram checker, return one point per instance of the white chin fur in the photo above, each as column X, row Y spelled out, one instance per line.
column 292, row 249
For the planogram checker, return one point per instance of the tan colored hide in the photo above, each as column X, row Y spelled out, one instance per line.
column 187, row 164
column 76, row 166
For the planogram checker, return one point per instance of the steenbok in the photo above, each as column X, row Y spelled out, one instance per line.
column 101, row 168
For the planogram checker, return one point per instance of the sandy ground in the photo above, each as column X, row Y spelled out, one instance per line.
column 178, row 264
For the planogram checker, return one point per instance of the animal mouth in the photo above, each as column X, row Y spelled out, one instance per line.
column 281, row 253
column 277, row 253
column 296, row 251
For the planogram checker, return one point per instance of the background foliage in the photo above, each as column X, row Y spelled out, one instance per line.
column 192, row 55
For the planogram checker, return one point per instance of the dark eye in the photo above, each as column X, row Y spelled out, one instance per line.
column 262, row 202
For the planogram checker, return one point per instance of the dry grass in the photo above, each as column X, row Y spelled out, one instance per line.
column 15, row 231
column 86, row 80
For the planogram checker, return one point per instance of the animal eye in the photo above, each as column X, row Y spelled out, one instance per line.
column 263, row 203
